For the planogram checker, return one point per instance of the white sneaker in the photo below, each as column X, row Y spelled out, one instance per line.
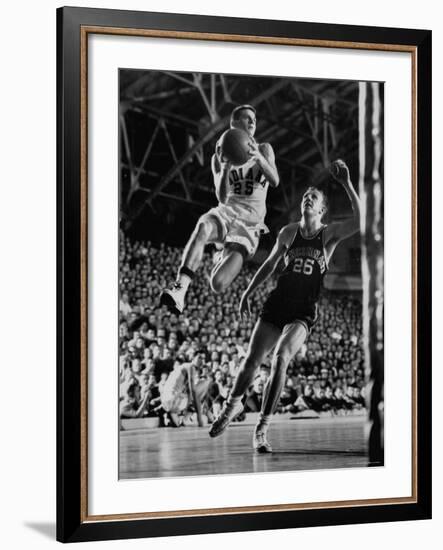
column 217, row 257
column 227, row 415
column 173, row 298
column 259, row 442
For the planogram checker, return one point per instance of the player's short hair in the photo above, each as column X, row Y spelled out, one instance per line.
column 236, row 112
column 323, row 194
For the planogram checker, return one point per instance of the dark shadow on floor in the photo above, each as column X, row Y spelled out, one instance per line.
column 46, row 529
column 322, row 452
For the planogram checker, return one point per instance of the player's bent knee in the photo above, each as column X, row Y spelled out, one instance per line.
column 219, row 283
column 239, row 248
column 203, row 230
column 216, row 285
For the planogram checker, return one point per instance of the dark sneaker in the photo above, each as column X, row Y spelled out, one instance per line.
column 227, row 415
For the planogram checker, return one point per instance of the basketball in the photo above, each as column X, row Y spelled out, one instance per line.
column 234, row 146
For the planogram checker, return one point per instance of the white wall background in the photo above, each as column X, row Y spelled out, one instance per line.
column 27, row 217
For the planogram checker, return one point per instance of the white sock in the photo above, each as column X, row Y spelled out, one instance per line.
column 263, row 421
column 184, row 280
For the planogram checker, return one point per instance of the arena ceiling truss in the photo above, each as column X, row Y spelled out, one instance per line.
column 170, row 121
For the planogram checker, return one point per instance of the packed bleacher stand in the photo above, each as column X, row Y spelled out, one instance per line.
column 326, row 376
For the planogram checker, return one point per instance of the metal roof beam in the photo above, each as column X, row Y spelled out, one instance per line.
column 212, row 131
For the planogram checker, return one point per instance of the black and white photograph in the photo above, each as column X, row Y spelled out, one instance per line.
column 251, row 280
column 220, row 217
column 244, row 267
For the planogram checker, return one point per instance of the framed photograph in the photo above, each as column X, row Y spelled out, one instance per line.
column 244, row 274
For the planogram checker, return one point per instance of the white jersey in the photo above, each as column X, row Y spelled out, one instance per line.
column 175, row 393
column 248, row 188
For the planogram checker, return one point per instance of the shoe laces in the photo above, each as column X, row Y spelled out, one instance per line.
column 261, row 436
column 226, row 410
column 177, row 286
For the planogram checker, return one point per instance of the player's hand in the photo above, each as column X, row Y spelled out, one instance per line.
column 254, row 151
column 244, row 308
column 222, row 160
column 340, row 171
column 224, row 163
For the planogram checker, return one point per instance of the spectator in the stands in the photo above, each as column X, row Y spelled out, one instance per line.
column 132, row 406
column 151, row 339
column 254, row 396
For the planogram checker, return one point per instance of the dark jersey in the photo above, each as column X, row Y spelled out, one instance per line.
column 305, row 266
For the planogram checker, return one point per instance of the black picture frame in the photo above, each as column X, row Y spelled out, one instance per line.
column 73, row 523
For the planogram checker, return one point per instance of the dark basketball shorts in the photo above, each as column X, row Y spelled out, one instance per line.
column 280, row 313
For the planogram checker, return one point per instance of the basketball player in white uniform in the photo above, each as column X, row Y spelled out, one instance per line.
column 290, row 310
column 238, row 220
column 181, row 390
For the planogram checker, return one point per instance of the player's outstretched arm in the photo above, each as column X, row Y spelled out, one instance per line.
column 220, row 171
column 263, row 154
column 336, row 232
column 268, row 266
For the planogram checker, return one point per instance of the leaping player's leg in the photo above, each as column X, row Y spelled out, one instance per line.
column 263, row 339
column 241, row 242
column 208, row 229
column 228, row 268
column 291, row 340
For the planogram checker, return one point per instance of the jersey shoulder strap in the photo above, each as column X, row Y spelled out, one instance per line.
column 289, row 239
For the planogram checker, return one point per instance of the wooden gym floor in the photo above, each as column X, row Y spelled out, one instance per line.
column 307, row 444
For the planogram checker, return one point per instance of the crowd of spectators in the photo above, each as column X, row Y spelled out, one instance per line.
column 327, row 374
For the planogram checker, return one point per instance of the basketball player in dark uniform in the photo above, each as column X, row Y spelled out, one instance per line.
column 290, row 311
column 236, row 223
